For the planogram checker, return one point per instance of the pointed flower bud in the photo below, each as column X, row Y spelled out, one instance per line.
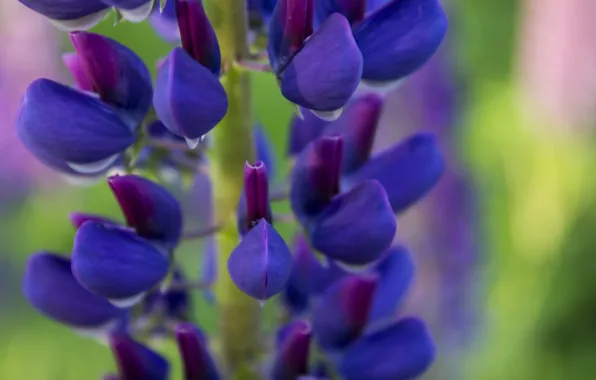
column 133, row 10
column 256, row 192
column 198, row 363
column 115, row 263
column 66, row 128
column 291, row 359
column 149, row 208
column 70, row 15
column 74, row 64
column 115, row 73
column 261, row 264
column 303, row 130
column 342, row 313
column 399, row 38
column 407, row 171
column 198, row 36
column 135, row 361
column 188, row 97
column 353, row 10
column 404, row 350
column 50, row 287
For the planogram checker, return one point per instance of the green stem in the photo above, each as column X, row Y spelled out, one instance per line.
column 239, row 315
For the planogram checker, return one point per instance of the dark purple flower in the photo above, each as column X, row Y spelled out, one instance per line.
column 132, row 10
column 403, row 350
column 291, row 359
column 198, row 364
column 342, row 313
column 50, row 287
column 70, row 14
column 115, row 73
column 149, row 208
column 136, row 362
column 70, row 130
column 115, row 263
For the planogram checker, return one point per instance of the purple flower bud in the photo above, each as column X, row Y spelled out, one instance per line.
column 135, row 361
column 115, row 73
column 291, row 25
column 78, row 218
column 149, row 208
column 198, row 364
column 261, row 264
column 291, row 360
column 256, row 192
column 115, row 263
column 198, row 37
column 165, row 22
column 403, row 350
column 342, row 312
column 70, row 14
column 324, row 74
column 407, row 171
column 353, row 10
column 396, row 272
column 188, row 98
column 74, row 64
column 133, row 10
column 303, row 131
column 66, row 128
column 50, row 287
column 399, row 38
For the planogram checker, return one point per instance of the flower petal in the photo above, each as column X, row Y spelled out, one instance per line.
column 291, row 360
column 59, row 124
column 165, row 22
column 116, row 73
column 303, row 130
column 198, row 363
column 400, row 37
column 135, row 361
column 261, row 264
column 364, row 214
column 407, row 171
column 65, row 10
column 353, row 10
column 341, row 314
column 324, row 74
column 74, row 65
column 115, row 263
column 149, row 208
column 404, row 350
column 188, row 98
column 50, row 287
column 132, row 10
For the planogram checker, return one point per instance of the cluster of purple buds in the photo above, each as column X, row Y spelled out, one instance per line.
column 342, row 280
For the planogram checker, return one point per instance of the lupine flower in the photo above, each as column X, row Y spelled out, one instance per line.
column 184, row 110
column 292, row 357
column 261, row 264
column 135, row 361
column 197, row 361
column 317, row 70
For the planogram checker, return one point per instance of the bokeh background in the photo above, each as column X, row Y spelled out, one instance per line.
column 504, row 244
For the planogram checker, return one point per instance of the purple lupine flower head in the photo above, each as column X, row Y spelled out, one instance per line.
column 197, row 361
column 261, row 264
column 136, row 361
column 293, row 350
column 115, row 263
column 51, row 288
column 188, row 98
column 317, row 70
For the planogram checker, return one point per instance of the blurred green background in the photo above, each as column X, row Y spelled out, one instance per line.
column 534, row 287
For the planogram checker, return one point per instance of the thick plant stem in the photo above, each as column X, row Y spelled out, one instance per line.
column 232, row 145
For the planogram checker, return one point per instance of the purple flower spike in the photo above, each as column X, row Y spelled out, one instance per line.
column 399, row 38
column 291, row 24
column 324, row 74
column 261, row 264
column 188, row 98
column 353, row 10
column 133, row 10
column 198, row 364
column 357, row 227
column 50, row 287
column 70, row 15
column 342, row 312
column 198, row 36
column 316, row 177
column 303, row 131
column 407, row 171
column 149, row 208
column 136, row 362
column 78, row 218
column 404, row 350
column 74, row 65
column 116, row 74
column 64, row 127
column 396, row 272
column 292, row 357
column 165, row 22
column 115, row 263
